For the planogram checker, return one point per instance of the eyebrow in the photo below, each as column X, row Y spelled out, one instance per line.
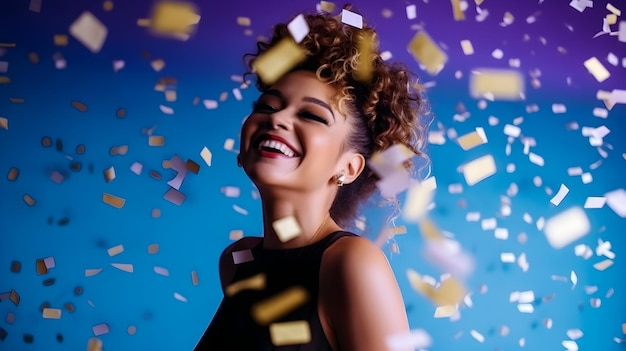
column 278, row 94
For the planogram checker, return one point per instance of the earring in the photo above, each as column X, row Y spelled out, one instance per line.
column 238, row 160
column 340, row 178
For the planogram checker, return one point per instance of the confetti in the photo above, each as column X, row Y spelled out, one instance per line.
column 52, row 313
column 4, row 123
column 243, row 21
column 136, row 168
column 457, row 11
column 13, row 174
column 235, row 234
column 536, row 159
column 595, row 67
column 109, row 174
column 478, row 336
column 278, row 60
column 352, row 19
column 427, row 53
column 472, row 139
column 602, row 265
column 495, row 84
column 290, row 333
column 445, row 311
column 229, row 144
column 89, row 31
column 566, row 227
column 616, row 200
column 299, row 28
column 230, row 191
column 100, row 329
column 622, row 33
column 415, row 339
column 115, row 250
column 176, row 19
column 112, row 200
column 206, row 155
column 210, row 104
column 194, row 278
column 242, row 256
column 560, row 195
column 411, row 12
column 277, row 306
column 180, row 297
column 29, row 200
column 327, row 6
column 174, row 196
column 467, row 47
column 287, row 228
column 479, row 169
column 126, row 267
column 240, row 210
column 256, row 282
column 92, row 272
column 35, row 6
column 156, row 140
column 153, row 249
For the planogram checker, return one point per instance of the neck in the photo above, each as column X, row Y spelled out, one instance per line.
column 311, row 211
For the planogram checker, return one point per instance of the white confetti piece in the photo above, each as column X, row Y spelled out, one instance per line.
column 100, row 329
column 230, row 191
column 573, row 278
column 478, row 336
column 92, row 272
column 560, row 195
column 287, row 228
column 418, row 198
column 567, row 227
column 536, row 159
column 180, row 297
column 411, row 12
column 386, row 55
column 595, row 67
column 240, row 210
column 118, row 65
column 574, row 334
column 558, row 108
column 237, row 94
column 501, row 233
column 570, row 345
column 472, row 216
column 467, row 47
column 89, row 31
column 351, row 18
column 526, row 296
column 210, row 104
column 166, row 109
column 525, row 308
column 242, row 256
column 497, row 54
column 415, row 339
column 126, row 267
column 136, row 168
column 595, row 302
column 507, row 257
column 489, row 223
column 206, row 155
column 298, row 28
column 161, row 271
column 583, row 251
column 229, row 144
column 616, row 200
column 622, row 33
column 512, row 131
column 479, row 169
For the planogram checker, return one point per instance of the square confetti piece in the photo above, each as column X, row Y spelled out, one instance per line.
column 595, row 67
column 287, row 228
column 242, row 256
column 616, row 200
column 566, row 227
column 352, row 19
column 174, row 18
column 52, row 313
column 479, row 169
column 100, row 329
column 427, row 53
column 290, row 333
column 496, row 84
column 88, row 30
column 299, row 28
column 278, row 60
column 174, row 196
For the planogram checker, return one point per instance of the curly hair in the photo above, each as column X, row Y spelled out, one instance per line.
column 387, row 107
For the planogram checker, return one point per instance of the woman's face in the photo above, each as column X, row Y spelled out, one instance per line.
column 294, row 137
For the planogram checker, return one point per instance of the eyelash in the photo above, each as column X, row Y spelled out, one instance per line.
column 265, row 108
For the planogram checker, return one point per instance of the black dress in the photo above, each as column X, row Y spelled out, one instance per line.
column 234, row 328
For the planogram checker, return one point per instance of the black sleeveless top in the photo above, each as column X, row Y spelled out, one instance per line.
column 234, row 328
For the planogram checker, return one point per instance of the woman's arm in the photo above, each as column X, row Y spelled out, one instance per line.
column 360, row 296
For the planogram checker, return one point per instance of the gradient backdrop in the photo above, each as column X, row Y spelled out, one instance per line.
column 70, row 222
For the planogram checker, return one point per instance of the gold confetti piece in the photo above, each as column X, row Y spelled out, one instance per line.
column 496, row 84
column 52, row 313
column 13, row 174
column 363, row 71
column 256, row 282
column 89, row 31
column 194, row 278
column 327, row 6
column 174, row 196
column 33, row 58
column 157, row 65
column 602, row 265
column 60, row 40
column 156, row 213
column 118, row 150
column 113, row 200
column 144, row 22
column 624, row 328
column 153, row 249
column 170, row 95
column 41, row 267
column 479, row 169
column 277, row 306
column 398, row 230
column 595, row 67
column 126, row 267
column 132, row 330
column 174, row 18
column 427, row 53
column 445, row 311
column 14, row 297
column 243, row 21
column 192, row 166
column 79, row 106
column 109, row 174
column 107, row 5
column 156, row 140
column 613, row 9
column 235, row 234
column 287, row 228
column 278, row 60
column 229, row 144
column 418, row 198
column 457, row 11
column 223, row 96
column 7, row 45
column 115, row 250
column 450, row 291
column 206, row 155
column 29, row 200
column 566, row 227
column 4, row 123
column 290, row 333
column 472, row 139
column 611, row 19
column 92, row 272
column 468, row 48
column 16, row 266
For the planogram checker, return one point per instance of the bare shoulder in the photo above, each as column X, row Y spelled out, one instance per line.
column 360, row 296
column 227, row 265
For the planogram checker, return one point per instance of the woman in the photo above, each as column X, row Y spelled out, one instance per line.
column 306, row 146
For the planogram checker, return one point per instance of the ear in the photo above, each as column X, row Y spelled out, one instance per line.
column 353, row 164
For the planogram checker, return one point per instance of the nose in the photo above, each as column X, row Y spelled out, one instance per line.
column 280, row 120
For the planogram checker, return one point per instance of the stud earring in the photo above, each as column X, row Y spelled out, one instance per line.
column 340, row 178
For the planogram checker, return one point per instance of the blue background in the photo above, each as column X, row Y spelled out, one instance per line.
column 191, row 236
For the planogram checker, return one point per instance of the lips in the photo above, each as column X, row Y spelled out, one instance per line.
column 273, row 145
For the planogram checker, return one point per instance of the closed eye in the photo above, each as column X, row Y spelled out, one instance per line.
column 258, row 107
column 313, row 117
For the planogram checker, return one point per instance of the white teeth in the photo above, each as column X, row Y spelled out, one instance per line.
column 277, row 145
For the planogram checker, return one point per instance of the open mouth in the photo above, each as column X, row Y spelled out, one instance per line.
column 276, row 147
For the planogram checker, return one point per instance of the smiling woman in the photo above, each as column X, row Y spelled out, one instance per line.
column 307, row 284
